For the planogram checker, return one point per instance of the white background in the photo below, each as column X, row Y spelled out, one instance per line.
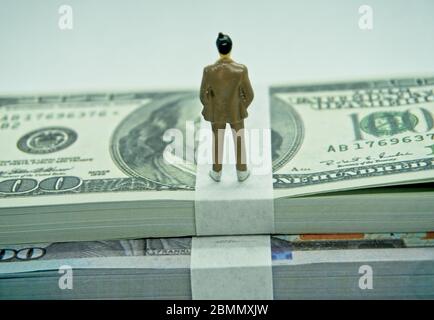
column 132, row 44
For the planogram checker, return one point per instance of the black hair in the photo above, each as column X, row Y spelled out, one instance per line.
column 224, row 43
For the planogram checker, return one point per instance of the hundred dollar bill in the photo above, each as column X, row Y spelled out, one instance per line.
column 95, row 166
column 338, row 136
column 107, row 146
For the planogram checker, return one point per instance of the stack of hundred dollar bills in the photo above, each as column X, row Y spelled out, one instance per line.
column 81, row 174
column 346, row 157
column 356, row 266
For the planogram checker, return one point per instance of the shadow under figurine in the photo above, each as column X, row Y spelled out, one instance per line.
column 226, row 93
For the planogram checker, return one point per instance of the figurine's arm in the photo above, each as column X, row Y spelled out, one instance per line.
column 204, row 88
column 246, row 88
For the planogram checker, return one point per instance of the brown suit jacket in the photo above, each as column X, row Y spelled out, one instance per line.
column 225, row 92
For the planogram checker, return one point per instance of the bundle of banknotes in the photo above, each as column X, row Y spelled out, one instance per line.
column 79, row 172
column 346, row 157
column 339, row 266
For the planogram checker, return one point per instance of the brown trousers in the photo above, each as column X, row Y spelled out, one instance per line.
column 218, row 130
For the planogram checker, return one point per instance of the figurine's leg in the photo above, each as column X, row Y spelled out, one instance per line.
column 240, row 146
column 218, row 130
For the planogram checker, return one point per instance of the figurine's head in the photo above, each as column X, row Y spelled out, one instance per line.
column 224, row 44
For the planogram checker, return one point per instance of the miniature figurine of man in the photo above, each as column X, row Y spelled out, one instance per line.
column 226, row 93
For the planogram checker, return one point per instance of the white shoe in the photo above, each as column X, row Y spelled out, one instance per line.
column 216, row 176
column 243, row 175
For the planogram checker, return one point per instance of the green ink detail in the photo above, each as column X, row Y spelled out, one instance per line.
column 382, row 124
column 432, row 149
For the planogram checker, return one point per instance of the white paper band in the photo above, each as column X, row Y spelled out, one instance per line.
column 230, row 207
column 231, row 268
